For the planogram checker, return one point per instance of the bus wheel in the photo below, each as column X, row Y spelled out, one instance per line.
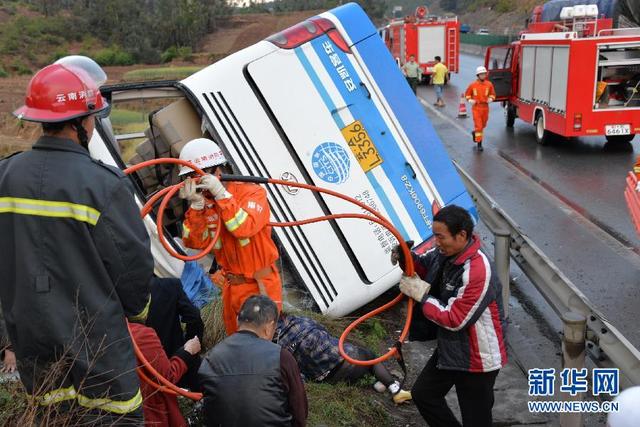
column 510, row 115
column 543, row 136
column 620, row 139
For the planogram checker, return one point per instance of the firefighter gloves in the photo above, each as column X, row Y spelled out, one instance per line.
column 212, row 184
column 189, row 192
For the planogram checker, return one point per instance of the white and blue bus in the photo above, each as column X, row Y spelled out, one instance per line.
column 322, row 103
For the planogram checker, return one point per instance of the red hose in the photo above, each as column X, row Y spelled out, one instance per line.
column 167, row 193
column 166, row 386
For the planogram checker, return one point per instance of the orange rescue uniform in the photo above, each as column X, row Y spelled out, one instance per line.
column 245, row 251
column 480, row 91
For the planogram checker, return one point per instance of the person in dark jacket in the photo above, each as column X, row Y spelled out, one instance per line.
column 161, row 409
column 319, row 359
column 170, row 309
column 456, row 290
column 249, row 380
column 76, row 260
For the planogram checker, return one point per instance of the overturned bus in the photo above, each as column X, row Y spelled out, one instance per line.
column 321, row 103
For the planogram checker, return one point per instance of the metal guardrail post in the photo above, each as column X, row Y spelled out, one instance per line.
column 502, row 258
column 573, row 356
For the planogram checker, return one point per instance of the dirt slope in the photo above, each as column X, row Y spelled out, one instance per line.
column 239, row 32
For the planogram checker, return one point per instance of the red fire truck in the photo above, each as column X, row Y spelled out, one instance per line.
column 425, row 36
column 573, row 77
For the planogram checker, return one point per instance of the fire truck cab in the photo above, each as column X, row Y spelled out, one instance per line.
column 425, row 36
column 574, row 77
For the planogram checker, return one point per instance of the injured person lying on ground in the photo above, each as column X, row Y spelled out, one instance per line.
column 316, row 352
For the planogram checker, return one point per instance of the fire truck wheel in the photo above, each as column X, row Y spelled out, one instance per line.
column 543, row 136
column 510, row 115
column 620, row 139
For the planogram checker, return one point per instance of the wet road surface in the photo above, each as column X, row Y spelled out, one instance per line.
column 567, row 196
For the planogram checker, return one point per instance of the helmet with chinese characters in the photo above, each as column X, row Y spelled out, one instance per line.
column 60, row 92
column 203, row 153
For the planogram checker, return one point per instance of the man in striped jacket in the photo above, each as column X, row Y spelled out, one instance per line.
column 456, row 290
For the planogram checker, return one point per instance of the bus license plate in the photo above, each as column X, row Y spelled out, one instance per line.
column 361, row 146
column 610, row 130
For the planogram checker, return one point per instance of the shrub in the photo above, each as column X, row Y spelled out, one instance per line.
column 114, row 56
column 169, row 54
column 185, row 53
column 504, row 6
column 20, row 68
column 3, row 73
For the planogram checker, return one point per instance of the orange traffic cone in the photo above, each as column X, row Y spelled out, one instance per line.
column 462, row 109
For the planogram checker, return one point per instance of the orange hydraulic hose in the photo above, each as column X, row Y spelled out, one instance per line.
column 166, row 384
column 167, row 193
column 170, row 191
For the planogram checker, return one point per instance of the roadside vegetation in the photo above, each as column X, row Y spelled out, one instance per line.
column 329, row 405
column 163, row 73
column 34, row 33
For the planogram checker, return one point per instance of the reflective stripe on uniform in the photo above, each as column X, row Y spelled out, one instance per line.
column 142, row 316
column 475, row 92
column 58, row 395
column 110, row 405
column 244, row 242
column 185, row 231
column 218, row 244
column 49, row 208
column 239, row 219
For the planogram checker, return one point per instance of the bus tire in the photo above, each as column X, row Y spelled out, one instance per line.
column 620, row 139
column 543, row 136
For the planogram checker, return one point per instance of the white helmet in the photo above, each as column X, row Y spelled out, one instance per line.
column 629, row 410
column 481, row 70
column 202, row 152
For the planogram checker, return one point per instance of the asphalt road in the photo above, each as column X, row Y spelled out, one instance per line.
column 567, row 196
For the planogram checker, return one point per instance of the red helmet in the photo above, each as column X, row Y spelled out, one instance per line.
column 58, row 93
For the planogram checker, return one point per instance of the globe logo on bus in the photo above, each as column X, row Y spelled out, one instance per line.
column 331, row 163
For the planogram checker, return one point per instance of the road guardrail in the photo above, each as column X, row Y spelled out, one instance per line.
column 606, row 344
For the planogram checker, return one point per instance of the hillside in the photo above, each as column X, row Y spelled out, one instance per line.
column 499, row 16
column 236, row 33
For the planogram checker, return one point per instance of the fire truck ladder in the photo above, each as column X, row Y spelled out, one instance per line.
column 452, row 58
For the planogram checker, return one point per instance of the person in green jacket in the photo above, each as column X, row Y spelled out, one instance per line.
column 413, row 72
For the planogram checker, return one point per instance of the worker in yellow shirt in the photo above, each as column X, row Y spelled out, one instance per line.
column 438, row 78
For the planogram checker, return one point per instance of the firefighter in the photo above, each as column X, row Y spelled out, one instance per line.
column 245, row 251
column 479, row 94
column 76, row 258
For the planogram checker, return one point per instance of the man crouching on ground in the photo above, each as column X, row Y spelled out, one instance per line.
column 454, row 285
column 249, row 380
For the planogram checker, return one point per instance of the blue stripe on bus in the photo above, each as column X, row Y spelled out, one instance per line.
column 393, row 164
column 393, row 216
column 359, row 25
column 412, row 118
